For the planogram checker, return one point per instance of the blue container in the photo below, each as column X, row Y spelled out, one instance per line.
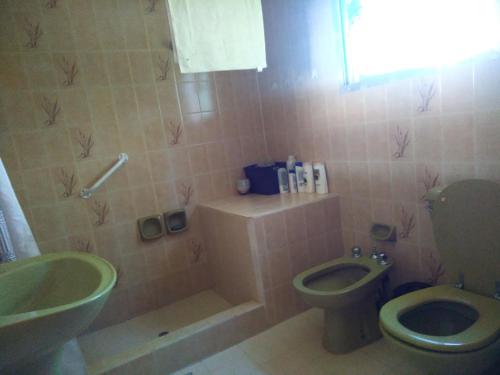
column 264, row 179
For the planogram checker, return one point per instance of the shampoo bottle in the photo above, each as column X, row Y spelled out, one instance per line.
column 320, row 178
column 283, row 181
column 292, row 177
column 301, row 181
column 309, row 177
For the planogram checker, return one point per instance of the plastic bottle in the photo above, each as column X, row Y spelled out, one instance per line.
column 320, row 180
column 309, row 177
column 301, row 181
column 283, row 181
column 292, row 177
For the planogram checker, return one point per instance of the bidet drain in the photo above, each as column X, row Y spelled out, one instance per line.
column 163, row 333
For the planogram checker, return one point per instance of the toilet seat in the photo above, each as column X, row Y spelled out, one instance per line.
column 484, row 331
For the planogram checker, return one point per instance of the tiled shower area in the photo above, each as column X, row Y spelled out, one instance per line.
column 97, row 79
column 254, row 247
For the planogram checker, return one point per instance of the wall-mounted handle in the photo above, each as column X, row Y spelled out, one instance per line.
column 86, row 193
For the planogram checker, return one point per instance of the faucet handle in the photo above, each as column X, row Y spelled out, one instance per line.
column 382, row 259
column 497, row 290
column 461, row 281
column 356, row 252
column 374, row 254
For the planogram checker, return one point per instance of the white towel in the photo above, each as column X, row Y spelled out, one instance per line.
column 23, row 242
column 214, row 35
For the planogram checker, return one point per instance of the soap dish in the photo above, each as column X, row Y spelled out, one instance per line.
column 383, row 232
column 151, row 227
column 175, row 221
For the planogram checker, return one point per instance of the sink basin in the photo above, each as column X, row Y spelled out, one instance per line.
column 46, row 301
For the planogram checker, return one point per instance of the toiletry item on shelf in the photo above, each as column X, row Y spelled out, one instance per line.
column 292, row 182
column 320, row 178
column 263, row 177
column 243, row 186
column 290, row 162
column 292, row 177
column 309, row 177
column 283, row 180
column 301, row 181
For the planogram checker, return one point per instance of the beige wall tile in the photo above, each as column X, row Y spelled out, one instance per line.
column 93, row 69
column 457, row 89
column 486, row 83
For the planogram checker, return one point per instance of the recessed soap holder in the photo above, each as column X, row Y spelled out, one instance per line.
column 383, row 232
column 175, row 221
column 151, row 227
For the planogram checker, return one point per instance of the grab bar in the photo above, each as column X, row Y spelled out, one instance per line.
column 86, row 193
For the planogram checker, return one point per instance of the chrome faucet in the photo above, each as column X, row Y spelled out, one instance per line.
column 461, row 281
column 497, row 290
column 374, row 254
column 356, row 252
column 382, row 259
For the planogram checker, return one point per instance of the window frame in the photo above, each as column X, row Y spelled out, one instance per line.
column 349, row 84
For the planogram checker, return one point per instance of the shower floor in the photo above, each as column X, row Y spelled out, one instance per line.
column 107, row 342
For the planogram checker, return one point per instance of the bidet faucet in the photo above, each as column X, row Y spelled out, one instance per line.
column 497, row 290
column 356, row 252
column 383, row 259
column 461, row 281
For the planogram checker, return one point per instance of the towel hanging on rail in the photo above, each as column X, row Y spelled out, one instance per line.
column 218, row 34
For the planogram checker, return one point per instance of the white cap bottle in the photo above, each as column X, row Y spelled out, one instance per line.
column 309, row 177
column 292, row 177
column 320, row 180
column 283, row 181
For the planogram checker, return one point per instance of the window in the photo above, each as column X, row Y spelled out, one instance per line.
column 389, row 37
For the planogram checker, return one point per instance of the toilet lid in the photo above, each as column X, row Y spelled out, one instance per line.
column 466, row 223
column 484, row 331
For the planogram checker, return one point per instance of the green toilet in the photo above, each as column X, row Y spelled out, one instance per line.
column 455, row 329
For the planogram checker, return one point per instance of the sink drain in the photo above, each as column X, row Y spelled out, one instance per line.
column 163, row 333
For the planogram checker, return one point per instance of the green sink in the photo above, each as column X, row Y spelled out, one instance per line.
column 46, row 301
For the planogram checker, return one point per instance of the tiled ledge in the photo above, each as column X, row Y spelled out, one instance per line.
column 189, row 344
column 253, row 205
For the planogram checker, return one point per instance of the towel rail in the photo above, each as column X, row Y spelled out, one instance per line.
column 86, row 193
